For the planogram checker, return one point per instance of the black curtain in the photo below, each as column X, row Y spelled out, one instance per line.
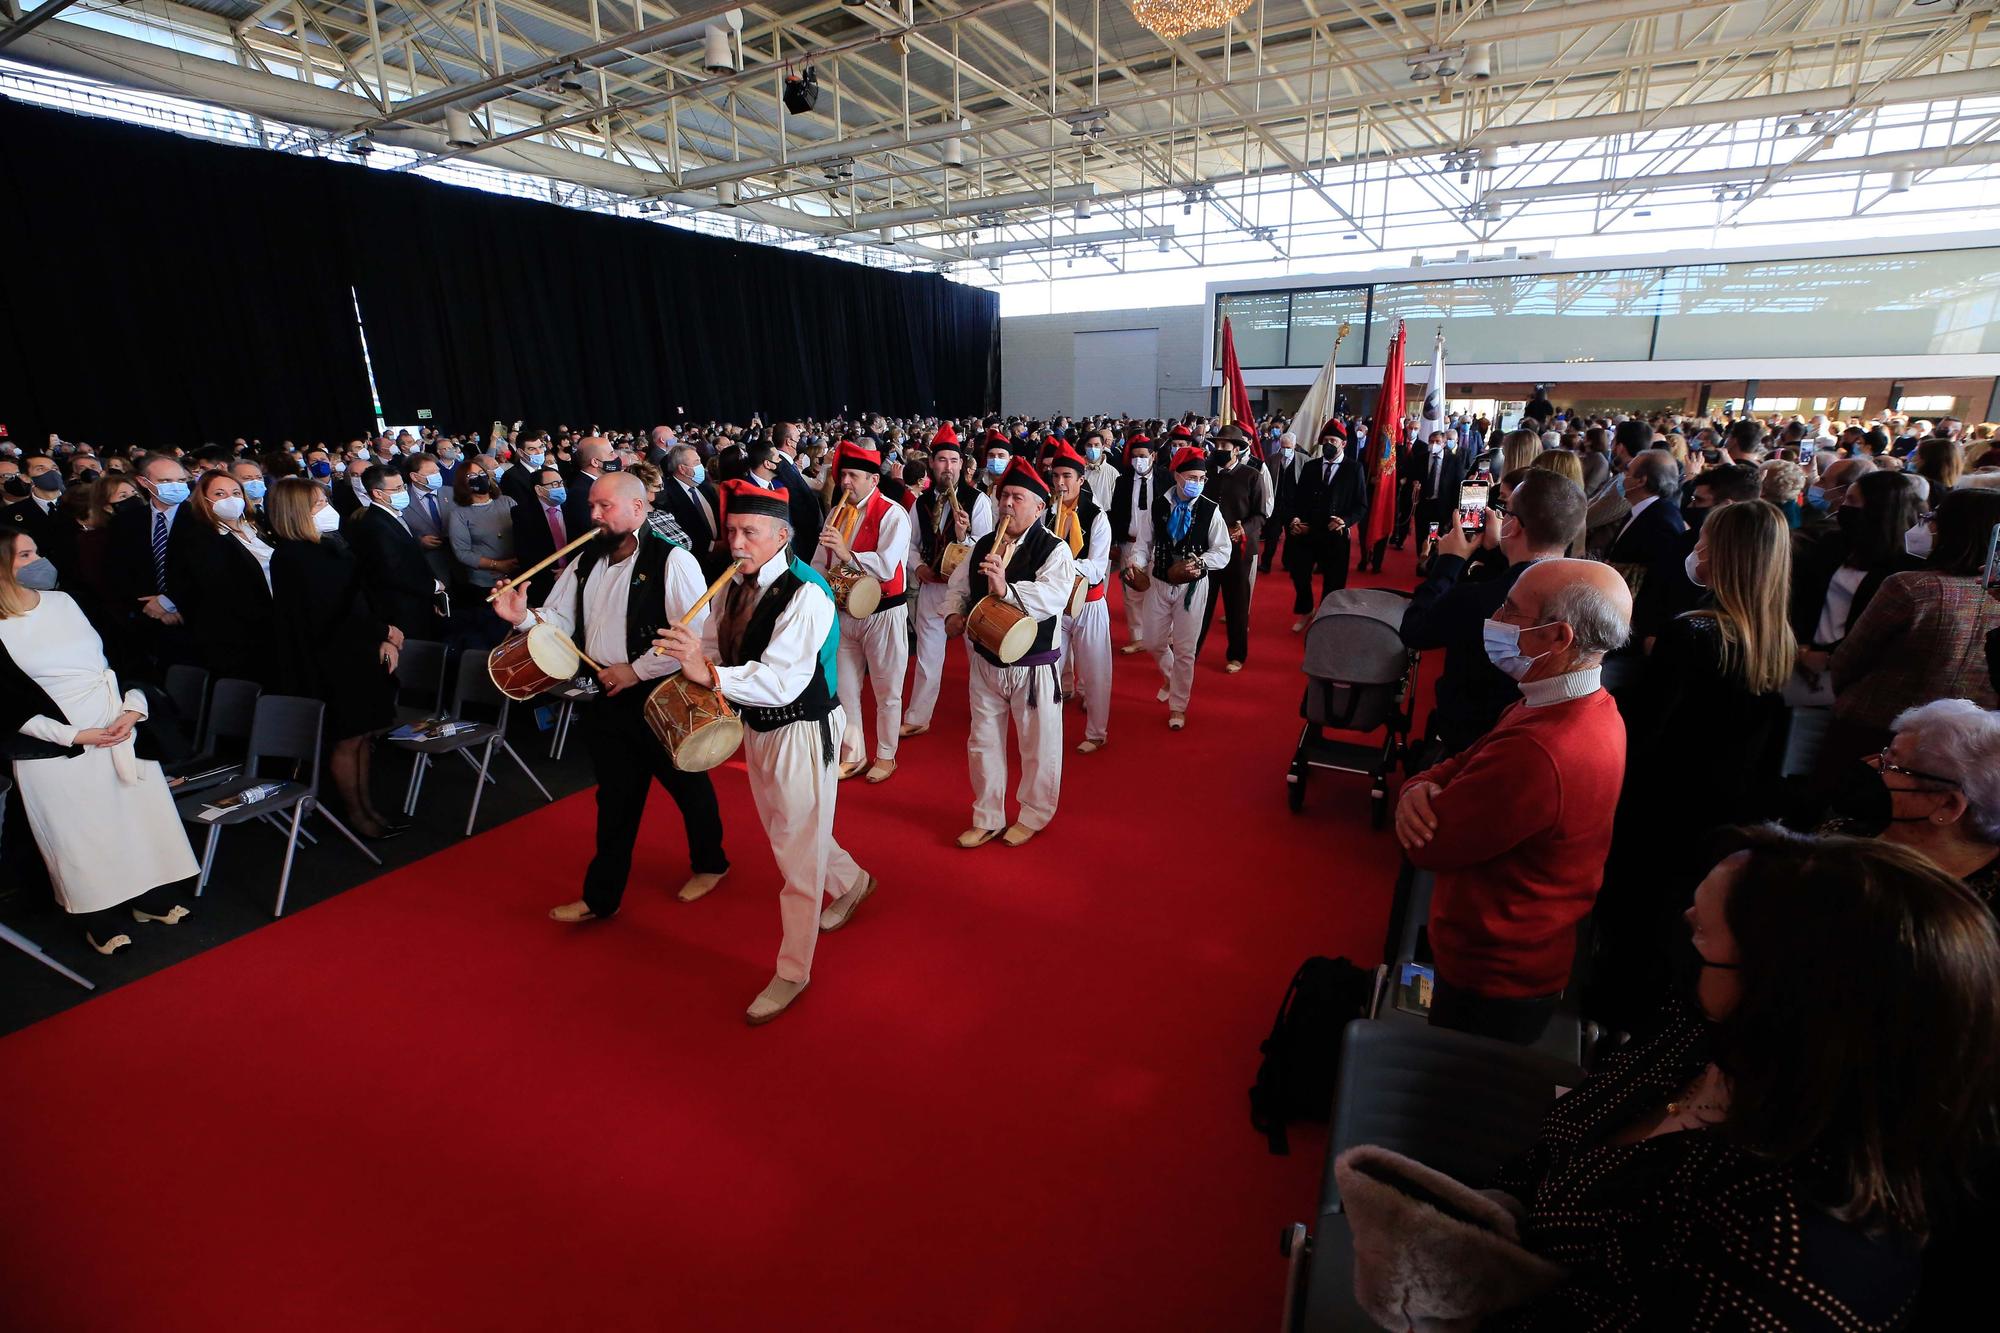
column 169, row 290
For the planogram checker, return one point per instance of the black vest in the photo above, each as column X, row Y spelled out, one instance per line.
column 645, row 602
column 817, row 700
column 1027, row 558
column 929, row 543
column 1166, row 553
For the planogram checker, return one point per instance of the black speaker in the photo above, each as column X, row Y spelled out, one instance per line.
column 801, row 92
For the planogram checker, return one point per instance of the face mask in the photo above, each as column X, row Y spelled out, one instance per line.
column 49, row 483
column 612, row 465
column 996, row 466
column 1853, row 522
column 479, row 483
column 1690, row 565
column 16, row 485
column 1093, row 453
column 399, row 500
column 130, row 502
column 1225, row 458
column 558, row 494
column 1287, row 452
column 449, row 457
column 1502, row 642
column 434, row 481
column 229, row 508
column 88, row 475
column 254, row 489
column 533, row 460
column 326, row 519
column 38, row 574
column 1917, row 541
column 700, row 474
column 172, row 492
column 1191, row 489
column 1816, row 498
column 1142, row 466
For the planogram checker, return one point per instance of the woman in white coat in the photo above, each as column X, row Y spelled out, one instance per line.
column 103, row 817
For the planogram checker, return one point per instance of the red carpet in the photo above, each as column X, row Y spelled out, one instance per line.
column 1014, row 1097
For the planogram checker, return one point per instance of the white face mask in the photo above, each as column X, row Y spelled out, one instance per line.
column 1502, row 642
column 1142, row 466
column 1917, row 541
column 1692, row 566
column 326, row 519
column 229, row 509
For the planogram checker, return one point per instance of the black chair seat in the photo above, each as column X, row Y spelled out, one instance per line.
column 190, row 807
column 477, row 734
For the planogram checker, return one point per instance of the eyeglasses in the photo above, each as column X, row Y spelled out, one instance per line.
column 1883, row 764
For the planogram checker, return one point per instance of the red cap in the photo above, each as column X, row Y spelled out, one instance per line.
column 1190, row 459
column 857, row 456
column 1065, row 456
column 747, row 497
column 945, row 435
column 1333, row 427
column 1018, row 473
column 1180, row 432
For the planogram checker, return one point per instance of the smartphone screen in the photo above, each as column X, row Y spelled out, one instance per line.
column 1472, row 495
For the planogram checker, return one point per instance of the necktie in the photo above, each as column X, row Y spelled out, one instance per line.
column 1145, row 494
column 1437, row 463
column 556, row 527
column 431, row 503
column 160, row 550
column 707, row 514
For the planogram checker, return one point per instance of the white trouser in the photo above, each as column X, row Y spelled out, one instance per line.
column 1135, row 606
column 995, row 693
column 1173, row 623
column 930, row 654
column 1087, row 659
column 879, row 647
column 795, row 790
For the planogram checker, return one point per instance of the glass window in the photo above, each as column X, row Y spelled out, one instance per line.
column 1317, row 317
column 1853, row 404
column 1258, row 321
column 1774, row 404
column 1937, row 402
column 1597, row 316
column 1926, row 304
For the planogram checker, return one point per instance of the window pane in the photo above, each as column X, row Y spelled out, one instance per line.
column 1317, row 317
column 1598, row 316
column 1257, row 321
column 1928, row 304
column 1853, row 404
column 1774, row 405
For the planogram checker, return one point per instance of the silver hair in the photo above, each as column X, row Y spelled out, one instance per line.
column 675, row 455
column 1957, row 739
column 1662, row 473
column 1599, row 623
column 1288, row 439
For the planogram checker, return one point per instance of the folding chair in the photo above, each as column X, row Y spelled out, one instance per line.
column 187, row 686
column 283, row 728
column 419, row 680
column 1460, row 1104
column 227, row 716
column 473, row 686
column 16, row 938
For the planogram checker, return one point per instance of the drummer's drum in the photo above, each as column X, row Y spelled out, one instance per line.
column 952, row 557
column 1001, row 628
column 694, row 723
column 1138, row 580
column 1079, row 593
column 855, row 593
column 533, row 663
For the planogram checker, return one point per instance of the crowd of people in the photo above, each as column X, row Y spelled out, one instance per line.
column 1661, row 636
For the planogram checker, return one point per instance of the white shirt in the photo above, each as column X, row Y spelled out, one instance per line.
column 885, row 559
column 783, row 672
column 1101, row 480
column 1094, row 561
column 981, row 523
column 253, row 544
column 1042, row 597
column 1140, row 552
column 604, row 599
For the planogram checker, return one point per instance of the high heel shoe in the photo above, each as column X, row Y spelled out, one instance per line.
column 116, row 944
column 173, row 917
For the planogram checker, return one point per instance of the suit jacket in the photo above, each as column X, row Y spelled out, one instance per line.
column 418, row 516
column 1923, row 637
column 1451, row 472
column 342, row 497
column 1284, row 485
column 1654, row 535
column 517, row 483
column 673, row 498
column 532, row 542
column 394, row 573
column 132, row 574
column 220, row 591
column 1601, row 521
column 806, row 514
column 1123, row 517
column 576, row 509
column 27, row 516
column 1346, row 496
column 1449, row 611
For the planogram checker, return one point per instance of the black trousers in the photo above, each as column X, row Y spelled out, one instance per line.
column 1406, row 498
column 1275, row 533
column 1232, row 589
column 628, row 760
column 1324, row 553
column 1520, row 1021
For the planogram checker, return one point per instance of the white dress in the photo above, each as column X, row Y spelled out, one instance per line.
column 104, row 819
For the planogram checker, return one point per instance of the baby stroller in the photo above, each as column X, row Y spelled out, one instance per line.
column 1362, row 678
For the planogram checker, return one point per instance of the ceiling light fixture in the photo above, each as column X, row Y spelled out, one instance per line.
column 1169, row 19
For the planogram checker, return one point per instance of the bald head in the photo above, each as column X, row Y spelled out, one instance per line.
column 618, row 503
column 593, row 453
column 1570, row 612
column 1835, row 478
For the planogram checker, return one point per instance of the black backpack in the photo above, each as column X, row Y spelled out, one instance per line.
column 1302, row 1054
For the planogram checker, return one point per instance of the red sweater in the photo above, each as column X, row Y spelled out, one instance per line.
column 1524, row 825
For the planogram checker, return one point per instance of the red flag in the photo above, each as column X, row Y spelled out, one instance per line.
column 1235, row 395
column 1388, row 424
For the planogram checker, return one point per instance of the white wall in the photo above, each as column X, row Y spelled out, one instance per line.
column 1038, row 364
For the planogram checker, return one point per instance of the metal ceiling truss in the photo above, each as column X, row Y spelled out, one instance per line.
column 938, row 120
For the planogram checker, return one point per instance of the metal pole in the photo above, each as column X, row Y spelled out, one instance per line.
column 375, row 49
column 34, row 20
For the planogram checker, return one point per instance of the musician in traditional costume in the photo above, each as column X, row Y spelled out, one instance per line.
column 771, row 650
column 1032, row 573
column 951, row 513
column 1083, row 527
column 611, row 599
column 1131, row 510
column 1185, row 543
column 870, row 532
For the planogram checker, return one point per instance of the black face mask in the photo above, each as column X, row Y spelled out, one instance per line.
column 16, row 486
column 1853, row 522
column 478, row 485
column 129, row 503
column 1695, row 518
column 86, row 476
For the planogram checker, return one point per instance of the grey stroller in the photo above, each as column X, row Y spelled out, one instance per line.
column 1361, row 679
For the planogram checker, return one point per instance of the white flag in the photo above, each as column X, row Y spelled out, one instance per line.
column 1316, row 408
column 1435, row 414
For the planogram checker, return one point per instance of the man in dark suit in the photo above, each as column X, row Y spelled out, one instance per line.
column 1653, row 489
column 594, row 458
column 538, row 526
column 687, row 495
column 806, row 514
column 30, row 500
column 1283, row 464
column 138, row 540
column 401, row 588
column 1332, row 499
column 1131, row 508
column 1439, row 468
column 531, row 454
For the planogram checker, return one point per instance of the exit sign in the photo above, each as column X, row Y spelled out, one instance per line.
column 423, row 414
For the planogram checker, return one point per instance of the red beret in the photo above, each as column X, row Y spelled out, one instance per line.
column 946, row 437
column 1019, row 474
column 747, row 497
column 858, row 457
column 1065, row 456
column 1190, row 459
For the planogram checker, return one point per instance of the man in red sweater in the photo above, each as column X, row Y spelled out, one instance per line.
column 1517, row 827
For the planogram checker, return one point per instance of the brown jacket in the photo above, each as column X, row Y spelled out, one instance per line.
column 1923, row 637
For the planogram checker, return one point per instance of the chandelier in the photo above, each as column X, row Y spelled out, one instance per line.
column 1169, row 19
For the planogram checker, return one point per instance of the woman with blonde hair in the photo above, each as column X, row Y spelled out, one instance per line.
column 1705, row 740
column 1519, row 449
column 1561, row 462
column 1781, row 481
column 97, row 804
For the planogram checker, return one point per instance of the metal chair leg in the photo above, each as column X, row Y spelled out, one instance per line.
column 466, row 755
column 479, row 787
column 523, row 765
column 272, row 820
column 345, row 832
column 291, row 848
column 34, row 951
column 416, row 791
column 207, row 858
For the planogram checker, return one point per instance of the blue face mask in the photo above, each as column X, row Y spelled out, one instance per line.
column 558, row 494
column 172, row 492
column 1093, row 453
column 996, row 466
column 1816, row 497
column 1191, row 489
column 399, row 499
column 434, row 481
column 254, row 489
column 700, row 474
column 1502, row 642
column 322, row 468
column 532, row 460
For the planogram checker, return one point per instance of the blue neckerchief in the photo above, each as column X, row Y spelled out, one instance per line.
column 1179, row 519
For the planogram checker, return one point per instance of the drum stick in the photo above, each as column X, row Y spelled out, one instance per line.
column 721, row 582
column 541, row 565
